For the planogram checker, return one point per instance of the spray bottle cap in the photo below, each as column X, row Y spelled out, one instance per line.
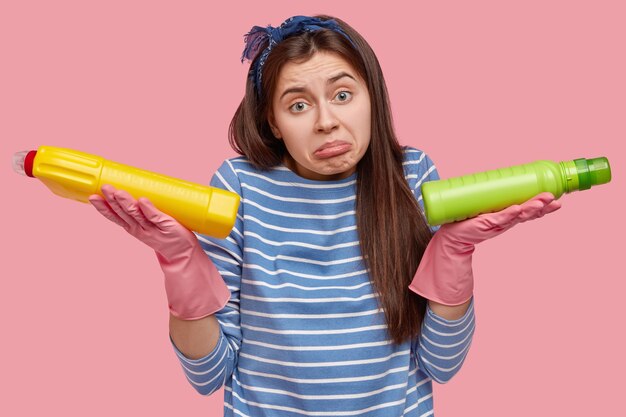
column 23, row 162
column 592, row 172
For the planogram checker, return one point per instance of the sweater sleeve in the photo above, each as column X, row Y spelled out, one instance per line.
column 426, row 171
column 443, row 344
column 418, row 169
column 210, row 373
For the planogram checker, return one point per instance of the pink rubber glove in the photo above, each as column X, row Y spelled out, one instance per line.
column 445, row 273
column 194, row 287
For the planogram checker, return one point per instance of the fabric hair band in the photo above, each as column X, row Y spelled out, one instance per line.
column 296, row 24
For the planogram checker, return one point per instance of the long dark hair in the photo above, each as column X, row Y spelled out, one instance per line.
column 392, row 231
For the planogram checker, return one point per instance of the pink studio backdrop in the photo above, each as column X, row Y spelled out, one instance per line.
column 478, row 85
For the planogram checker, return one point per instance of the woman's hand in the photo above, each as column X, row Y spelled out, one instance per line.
column 445, row 271
column 141, row 219
column 194, row 287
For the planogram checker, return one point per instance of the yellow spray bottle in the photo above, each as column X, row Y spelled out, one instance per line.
column 77, row 175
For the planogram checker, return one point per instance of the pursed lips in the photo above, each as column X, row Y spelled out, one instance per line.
column 334, row 148
column 332, row 144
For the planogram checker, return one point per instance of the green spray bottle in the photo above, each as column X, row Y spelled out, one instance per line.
column 459, row 198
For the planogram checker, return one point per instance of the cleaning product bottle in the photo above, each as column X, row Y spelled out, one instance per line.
column 467, row 196
column 77, row 175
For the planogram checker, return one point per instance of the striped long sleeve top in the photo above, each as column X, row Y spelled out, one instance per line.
column 302, row 334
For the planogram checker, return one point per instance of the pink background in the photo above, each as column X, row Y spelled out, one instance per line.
column 478, row 85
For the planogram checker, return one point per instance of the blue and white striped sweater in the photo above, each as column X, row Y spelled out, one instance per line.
column 303, row 333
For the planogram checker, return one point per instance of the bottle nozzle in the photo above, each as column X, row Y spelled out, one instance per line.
column 594, row 171
column 23, row 162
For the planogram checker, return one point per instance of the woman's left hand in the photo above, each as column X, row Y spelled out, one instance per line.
column 445, row 271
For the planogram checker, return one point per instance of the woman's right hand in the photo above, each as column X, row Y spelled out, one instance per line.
column 194, row 287
column 141, row 219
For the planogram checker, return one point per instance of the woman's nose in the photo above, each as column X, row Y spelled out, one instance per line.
column 326, row 118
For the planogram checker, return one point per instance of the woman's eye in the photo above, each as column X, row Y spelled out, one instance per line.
column 298, row 107
column 343, row 96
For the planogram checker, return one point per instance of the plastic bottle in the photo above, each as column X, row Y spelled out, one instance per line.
column 467, row 196
column 77, row 175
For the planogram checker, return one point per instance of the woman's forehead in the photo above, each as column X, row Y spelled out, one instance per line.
column 320, row 65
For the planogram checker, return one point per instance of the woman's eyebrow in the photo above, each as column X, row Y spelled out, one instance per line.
column 339, row 76
column 292, row 90
column 331, row 80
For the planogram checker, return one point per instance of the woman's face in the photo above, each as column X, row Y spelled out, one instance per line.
column 321, row 110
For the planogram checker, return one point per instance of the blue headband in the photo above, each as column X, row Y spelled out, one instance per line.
column 296, row 24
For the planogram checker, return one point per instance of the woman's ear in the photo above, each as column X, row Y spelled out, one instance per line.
column 275, row 130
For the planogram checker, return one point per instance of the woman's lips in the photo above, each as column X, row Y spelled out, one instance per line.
column 330, row 149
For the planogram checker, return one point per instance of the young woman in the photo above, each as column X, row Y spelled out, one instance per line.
column 332, row 296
